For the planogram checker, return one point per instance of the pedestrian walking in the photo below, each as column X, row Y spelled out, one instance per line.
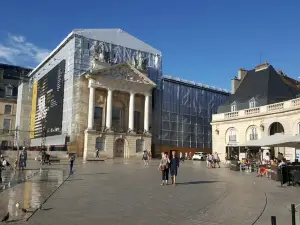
column 97, row 153
column 71, row 159
column 208, row 159
column 163, row 167
column 217, row 158
column 145, row 157
column 174, row 165
column 25, row 157
column 181, row 157
column 149, row 155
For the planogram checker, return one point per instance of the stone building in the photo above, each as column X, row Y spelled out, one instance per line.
column 10, row 78
column 119, row 111
column 263, row 102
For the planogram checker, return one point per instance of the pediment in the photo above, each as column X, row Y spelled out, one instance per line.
column 123, row 72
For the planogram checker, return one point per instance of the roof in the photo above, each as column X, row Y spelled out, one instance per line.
column 114, row 36
column 267, row 84
column 193, row 83
column 117, row 37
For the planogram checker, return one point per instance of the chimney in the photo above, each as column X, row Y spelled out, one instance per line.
column 241, row 73
column 235, row 82
column 262, row 66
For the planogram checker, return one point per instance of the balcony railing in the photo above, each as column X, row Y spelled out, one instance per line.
column 253, row 136
column 263, row 110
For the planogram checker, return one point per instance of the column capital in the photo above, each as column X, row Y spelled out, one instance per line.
column 147, row 94
column 132, row 93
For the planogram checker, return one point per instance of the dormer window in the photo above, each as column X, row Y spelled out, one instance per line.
column 8, row 91
column 252, row 103
column 233, row 107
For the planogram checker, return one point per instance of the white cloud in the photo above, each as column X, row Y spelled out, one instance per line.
column 17, row 50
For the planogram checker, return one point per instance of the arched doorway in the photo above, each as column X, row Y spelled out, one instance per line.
column 275, row 128
column 121, row 148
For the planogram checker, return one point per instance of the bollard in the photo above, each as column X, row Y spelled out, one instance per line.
column 273, row 220
column 293, row 214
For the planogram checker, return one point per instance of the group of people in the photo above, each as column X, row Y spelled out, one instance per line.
column 213, row 160
column 20, row 162
column 168, row 165
column 146, row 157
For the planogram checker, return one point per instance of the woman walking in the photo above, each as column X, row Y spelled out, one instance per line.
column 164, row 168
column 174, row 164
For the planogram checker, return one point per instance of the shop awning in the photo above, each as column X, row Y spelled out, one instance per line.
column 267, row 141
column 290, row 141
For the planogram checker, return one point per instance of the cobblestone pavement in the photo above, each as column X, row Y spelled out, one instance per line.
column 127, row 192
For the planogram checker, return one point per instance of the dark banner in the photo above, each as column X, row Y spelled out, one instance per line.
column 50, row 95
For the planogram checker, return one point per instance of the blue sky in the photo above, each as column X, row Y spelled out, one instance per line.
column 204, row 41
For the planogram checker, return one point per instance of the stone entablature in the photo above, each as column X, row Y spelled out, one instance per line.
column 259, row 111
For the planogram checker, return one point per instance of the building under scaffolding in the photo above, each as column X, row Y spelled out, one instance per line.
column 184, row 110
column 57, row 97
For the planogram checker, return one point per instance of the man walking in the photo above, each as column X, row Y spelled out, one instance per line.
column 174, row 164
column 71, row 159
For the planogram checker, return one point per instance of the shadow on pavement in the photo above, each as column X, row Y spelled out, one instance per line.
column 73, row 180
column 198, row 182
column 89, row 174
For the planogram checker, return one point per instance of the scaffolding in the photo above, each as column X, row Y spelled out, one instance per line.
column 185, row 111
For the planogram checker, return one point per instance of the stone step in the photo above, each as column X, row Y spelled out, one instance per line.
column 95, row 159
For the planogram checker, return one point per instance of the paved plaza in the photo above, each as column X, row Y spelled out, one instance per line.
column 127, row 192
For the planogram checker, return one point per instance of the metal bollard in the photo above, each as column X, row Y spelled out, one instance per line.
column 293, row 214
column 273, row 220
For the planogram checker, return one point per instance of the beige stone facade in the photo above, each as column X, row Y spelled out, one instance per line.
column 7, row 122
column 114, row 113
column 236, row 128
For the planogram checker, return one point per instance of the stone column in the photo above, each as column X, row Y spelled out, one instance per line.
column 109, row 108
column 131, row 112
column 146, row 113
column 91, row 108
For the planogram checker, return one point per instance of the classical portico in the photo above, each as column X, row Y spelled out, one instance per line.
column 118, row 121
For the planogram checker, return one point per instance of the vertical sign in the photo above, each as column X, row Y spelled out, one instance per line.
column 33, row 109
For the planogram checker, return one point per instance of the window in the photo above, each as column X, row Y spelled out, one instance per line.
column 253, row 134
column 98, row 118
column 140, row 145
column 8, row 91
column 116, row 119
column 298, row 128
column 7, row 109
column 6, row 126
column 137, row 121
column 232, row 135
column 252, row 103
column 100, row 143
column 233, row 107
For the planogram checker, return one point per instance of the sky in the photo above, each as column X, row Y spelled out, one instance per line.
column 203, row 41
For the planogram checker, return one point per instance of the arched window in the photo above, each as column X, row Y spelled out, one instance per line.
column 275, row 128
column 140, row 145
column 100, row 143
column 232, row 135
column 253, row 133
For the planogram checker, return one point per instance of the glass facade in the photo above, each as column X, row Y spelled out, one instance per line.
column 185, row 114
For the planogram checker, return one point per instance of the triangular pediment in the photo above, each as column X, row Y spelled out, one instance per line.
column 123, row 72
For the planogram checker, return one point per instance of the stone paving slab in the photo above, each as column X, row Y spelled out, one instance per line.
column 127, row 192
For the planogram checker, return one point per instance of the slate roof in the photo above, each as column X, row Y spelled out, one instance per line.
column 11, row 75
column 265, row 84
